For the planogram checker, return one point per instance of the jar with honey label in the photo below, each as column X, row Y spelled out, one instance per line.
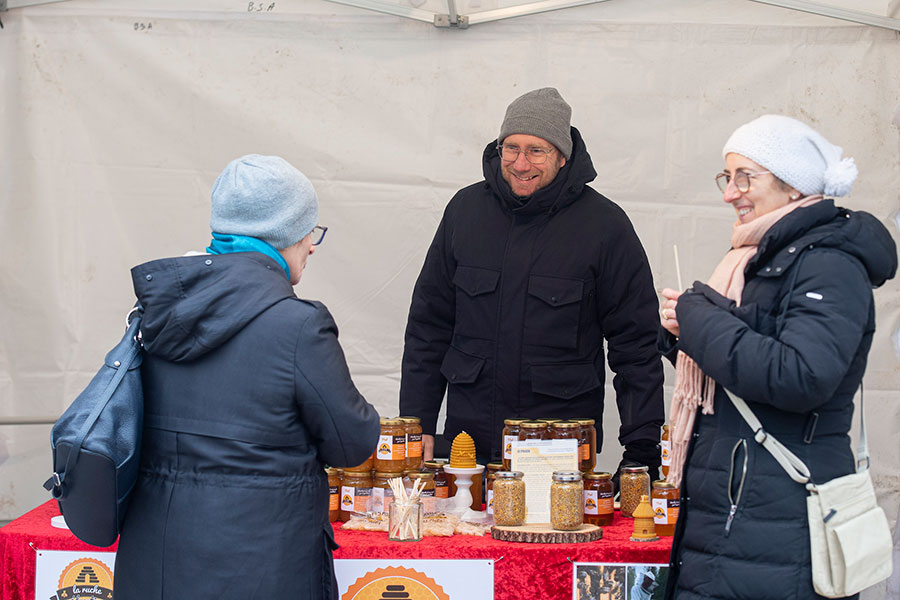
column 413, row 442
column 489, row 492
column 356, row 493
column 533, row 430
column 363, row 467
column 441, row 484
column 666, row 503
column 588, row 444
column 382, row 492
column 510, row 435
column 634, row 482
column 390, row 455
column 509, row 498
column 567, row 430
column 427, row 494
column 665, row 451
column 598, row 498
column 566, row 501
column 493, row 467
column 334, row 494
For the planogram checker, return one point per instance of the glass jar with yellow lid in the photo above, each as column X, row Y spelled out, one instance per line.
column 390, row 455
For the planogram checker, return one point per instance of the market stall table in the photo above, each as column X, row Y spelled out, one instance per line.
column 517, row 566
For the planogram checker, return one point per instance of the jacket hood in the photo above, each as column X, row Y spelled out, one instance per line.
column 194, row 304
column 856, row 233
column 562, row 191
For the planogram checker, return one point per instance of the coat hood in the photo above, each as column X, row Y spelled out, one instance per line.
column 194, row 304
column 562, row 191
column 858, row 234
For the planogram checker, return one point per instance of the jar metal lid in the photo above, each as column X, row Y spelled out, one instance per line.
column 513, row 421
column 581, row 421
column 565, row 425
column 410, row 419
column 421, row 475
column 548, row 420
column 566, row 476
column 508, row 474
column 391, row 421
column 664, row 484
column 386, row 475
column 494, row 466
column 635, row 469
column 360, row 474
column 433, row 464
column 598, row 475
column 331, row 471
column 533, row 425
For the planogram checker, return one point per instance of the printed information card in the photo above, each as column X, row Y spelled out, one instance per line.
column 538, row 459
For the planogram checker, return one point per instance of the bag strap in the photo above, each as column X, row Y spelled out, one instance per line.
column 790, row 462
column 133, row 333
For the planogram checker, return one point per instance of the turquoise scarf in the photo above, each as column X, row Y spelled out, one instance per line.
column 223, row 243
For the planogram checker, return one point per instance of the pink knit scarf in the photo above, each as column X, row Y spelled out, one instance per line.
column 693, row 388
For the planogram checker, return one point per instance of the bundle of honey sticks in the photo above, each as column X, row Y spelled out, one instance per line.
column 407, row 526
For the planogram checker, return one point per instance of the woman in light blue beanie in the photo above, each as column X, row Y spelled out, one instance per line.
column 247, row 395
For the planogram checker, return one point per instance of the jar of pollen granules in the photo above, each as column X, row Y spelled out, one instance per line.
column 566, row 500
column 634, row 482
column 509, row 498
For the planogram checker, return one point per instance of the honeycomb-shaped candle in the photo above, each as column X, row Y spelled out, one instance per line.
column 462, row 452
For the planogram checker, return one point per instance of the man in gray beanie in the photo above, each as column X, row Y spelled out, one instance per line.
column 529, row 271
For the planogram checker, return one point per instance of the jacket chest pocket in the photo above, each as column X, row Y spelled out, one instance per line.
column 476, row 301
column 553, row 311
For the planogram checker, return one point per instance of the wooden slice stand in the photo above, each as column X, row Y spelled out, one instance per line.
column 541, row 533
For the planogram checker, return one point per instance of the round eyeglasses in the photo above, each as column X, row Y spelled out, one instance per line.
column 535, row 156
column 317, row 234
column 741, row 180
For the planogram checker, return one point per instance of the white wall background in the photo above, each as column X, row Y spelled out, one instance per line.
column 115, row 119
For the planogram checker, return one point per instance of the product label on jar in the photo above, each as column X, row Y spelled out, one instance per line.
column 665, row 449
column 590, row 502
column 348, row 496
column 391, row 447
column 334, row 498
column 508, row 445
column 381, row 498
column 665, row 512
column 428, row 503
column 604, row 503
column 585, row 450
column 441, row 489
column 362, row 502
column 490, row 502
column 413, row 445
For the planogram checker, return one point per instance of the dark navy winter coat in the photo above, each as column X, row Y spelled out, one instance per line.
column 512, row 307
column 247, row 394
column 796, row 351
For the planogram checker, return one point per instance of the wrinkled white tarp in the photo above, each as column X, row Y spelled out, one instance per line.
column 115, row 118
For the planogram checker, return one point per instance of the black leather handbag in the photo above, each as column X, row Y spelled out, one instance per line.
column 96, row 444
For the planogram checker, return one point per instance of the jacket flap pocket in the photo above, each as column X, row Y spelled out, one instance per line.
column 564, row 381
column 459, row 367
column 475, row 281
column 555, row 291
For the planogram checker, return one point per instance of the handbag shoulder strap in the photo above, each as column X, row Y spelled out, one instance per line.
column 790, row 462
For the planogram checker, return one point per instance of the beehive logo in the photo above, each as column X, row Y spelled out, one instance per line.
column 665, row 455
column 660, row 512
column 395, row 583
column 347, row 500
column 508, row 449
column 85, row 579
column 590, row 504
column 384, row 449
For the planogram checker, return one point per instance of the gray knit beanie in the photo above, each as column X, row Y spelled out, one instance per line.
column 266, row 198
column 542, row 113
column 795, row 153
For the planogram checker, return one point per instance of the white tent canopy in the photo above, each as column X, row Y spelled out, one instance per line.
column 117, row 115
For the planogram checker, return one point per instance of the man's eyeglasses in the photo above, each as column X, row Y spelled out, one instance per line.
column 535, row 156
column 741, row 180
column 317, row 234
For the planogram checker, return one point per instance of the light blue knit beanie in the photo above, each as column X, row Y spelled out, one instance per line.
column 266, row 198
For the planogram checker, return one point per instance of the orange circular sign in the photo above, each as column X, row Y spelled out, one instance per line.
column 87, row 579
column 397, row 582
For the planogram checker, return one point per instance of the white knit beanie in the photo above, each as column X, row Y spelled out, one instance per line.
column 266, row 198
column 795, row 153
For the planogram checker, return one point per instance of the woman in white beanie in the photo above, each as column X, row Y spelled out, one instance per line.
column 784, row 322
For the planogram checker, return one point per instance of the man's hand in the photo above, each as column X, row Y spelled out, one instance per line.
column 667, row 314
column 427, row 447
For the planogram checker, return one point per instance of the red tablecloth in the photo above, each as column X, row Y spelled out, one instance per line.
column 517, row 566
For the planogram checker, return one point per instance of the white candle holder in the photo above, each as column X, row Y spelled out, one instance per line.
column 462, row 501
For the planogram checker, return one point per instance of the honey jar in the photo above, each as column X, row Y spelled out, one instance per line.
column 413, row 428
column 489, row 492
column 598, row 498
column 567, row 430
column 509, row 498
column 666, row 503
column 441, row 487
column 356, row 492
column 491, row 468
column 665, row 451
column 510, row 435
column 334, row 494
column 390, row 455
column 533, row 430
column 588, row 445
column 382, row 492
column 428, row 489
column 634, row 482
column 566, row 501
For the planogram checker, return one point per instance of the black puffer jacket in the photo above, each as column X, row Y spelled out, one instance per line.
column 796, row 351
column 514, row 302
column 246, row 394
